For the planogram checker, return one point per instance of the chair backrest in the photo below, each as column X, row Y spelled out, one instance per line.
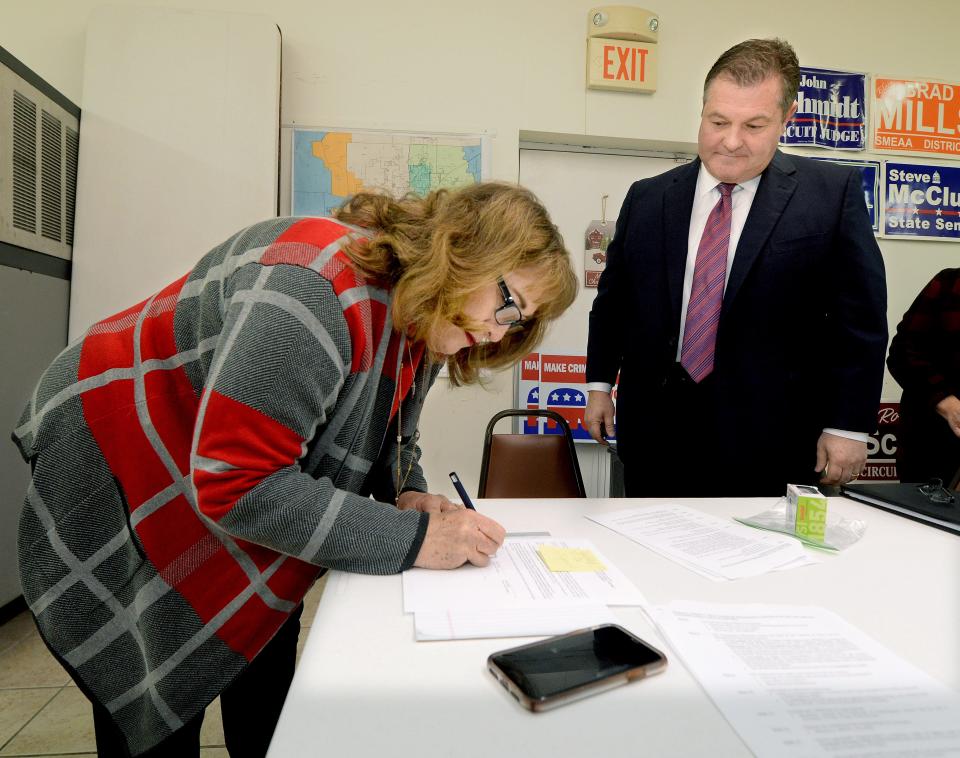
column 530, row 465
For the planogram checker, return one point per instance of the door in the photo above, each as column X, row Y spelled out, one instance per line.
column 571, row 186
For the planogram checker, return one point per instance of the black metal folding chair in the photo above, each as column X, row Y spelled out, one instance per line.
column 530, row 465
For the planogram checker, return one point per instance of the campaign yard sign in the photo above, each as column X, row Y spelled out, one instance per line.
column 556, row 382
column 916, row 116
column 921, row 201
column 563, row 380
column 870, row 180
column 831, row 110
column 881, row 465
column 570, row 403
column 528, row 392
column 531, row 424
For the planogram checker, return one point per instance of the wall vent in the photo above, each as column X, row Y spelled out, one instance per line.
column 39, row 145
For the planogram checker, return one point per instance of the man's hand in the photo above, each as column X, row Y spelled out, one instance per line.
column 598, row 415
column 949, row 408
column 425, row 502
column 840, row 459
column 457, row 537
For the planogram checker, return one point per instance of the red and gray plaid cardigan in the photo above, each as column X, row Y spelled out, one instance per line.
column 200, row 456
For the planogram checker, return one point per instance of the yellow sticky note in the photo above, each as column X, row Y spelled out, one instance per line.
column 569, row 559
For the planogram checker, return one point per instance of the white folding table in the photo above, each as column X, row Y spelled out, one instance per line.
column 364, row 687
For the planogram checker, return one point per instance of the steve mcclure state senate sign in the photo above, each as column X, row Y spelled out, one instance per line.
column 921, row 201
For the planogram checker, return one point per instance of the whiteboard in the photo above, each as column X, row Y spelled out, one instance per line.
column 178, row 147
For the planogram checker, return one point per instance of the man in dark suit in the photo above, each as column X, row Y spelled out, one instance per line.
column 743, row 305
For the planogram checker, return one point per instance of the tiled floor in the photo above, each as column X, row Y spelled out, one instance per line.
column 42, row 713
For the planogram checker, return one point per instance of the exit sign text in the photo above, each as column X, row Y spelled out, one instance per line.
column 621, row 65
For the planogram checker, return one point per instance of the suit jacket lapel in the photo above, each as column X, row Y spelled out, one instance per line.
column 776, row 187
column 678, row 204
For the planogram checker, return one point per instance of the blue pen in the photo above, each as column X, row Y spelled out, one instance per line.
column 461, row 491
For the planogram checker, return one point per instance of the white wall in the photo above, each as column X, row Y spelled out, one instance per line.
column 511, row 65
column 139, row 223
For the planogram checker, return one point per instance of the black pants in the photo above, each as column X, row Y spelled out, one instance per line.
column 686, row 452
column 676, row 460
column 251, row 707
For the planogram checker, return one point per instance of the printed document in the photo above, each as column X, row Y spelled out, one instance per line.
column 717, row 548
column 800, row 682
column 517, row 577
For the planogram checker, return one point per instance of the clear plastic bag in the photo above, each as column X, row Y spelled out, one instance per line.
column 840, row 534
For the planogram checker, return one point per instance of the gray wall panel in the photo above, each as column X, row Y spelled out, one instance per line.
column 33, row 329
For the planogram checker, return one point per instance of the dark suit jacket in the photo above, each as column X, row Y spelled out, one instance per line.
column 802, row 333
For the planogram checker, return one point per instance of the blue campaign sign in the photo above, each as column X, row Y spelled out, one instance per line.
column 831, row 110
column 921, row 200
column 870, row 177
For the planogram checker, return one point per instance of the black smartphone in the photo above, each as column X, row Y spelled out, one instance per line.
column 542, row 675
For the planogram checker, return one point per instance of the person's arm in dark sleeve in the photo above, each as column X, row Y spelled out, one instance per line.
column 917, row 360
column 857, row 317
column 607, row 324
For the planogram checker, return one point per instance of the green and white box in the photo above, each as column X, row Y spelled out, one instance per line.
column 807, row 511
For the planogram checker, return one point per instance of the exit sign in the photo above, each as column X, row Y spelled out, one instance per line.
column 621, row 65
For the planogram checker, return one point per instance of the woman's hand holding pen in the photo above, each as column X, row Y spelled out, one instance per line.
column 457, row 537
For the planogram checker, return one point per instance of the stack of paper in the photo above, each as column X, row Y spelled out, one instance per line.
column 464, row 624
column 800, row 682
column 714, row 547
column 518, row 594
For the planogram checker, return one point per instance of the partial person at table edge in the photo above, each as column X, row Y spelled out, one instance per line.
column 925, row 360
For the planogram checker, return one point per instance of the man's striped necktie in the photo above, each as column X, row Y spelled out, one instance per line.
column 706, row 295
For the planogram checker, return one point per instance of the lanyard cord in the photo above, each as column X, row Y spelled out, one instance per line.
column 402, row 478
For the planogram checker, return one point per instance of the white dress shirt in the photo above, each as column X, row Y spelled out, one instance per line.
column 705, row 198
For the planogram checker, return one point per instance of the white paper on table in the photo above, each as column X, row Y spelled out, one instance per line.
column 517, row 577
column 799, row 681
column 508, row 622
column 715, row 547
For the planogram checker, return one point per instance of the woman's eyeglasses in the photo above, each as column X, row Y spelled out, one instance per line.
column 509, row 313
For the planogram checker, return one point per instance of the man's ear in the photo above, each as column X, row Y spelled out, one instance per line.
column 790, row 112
